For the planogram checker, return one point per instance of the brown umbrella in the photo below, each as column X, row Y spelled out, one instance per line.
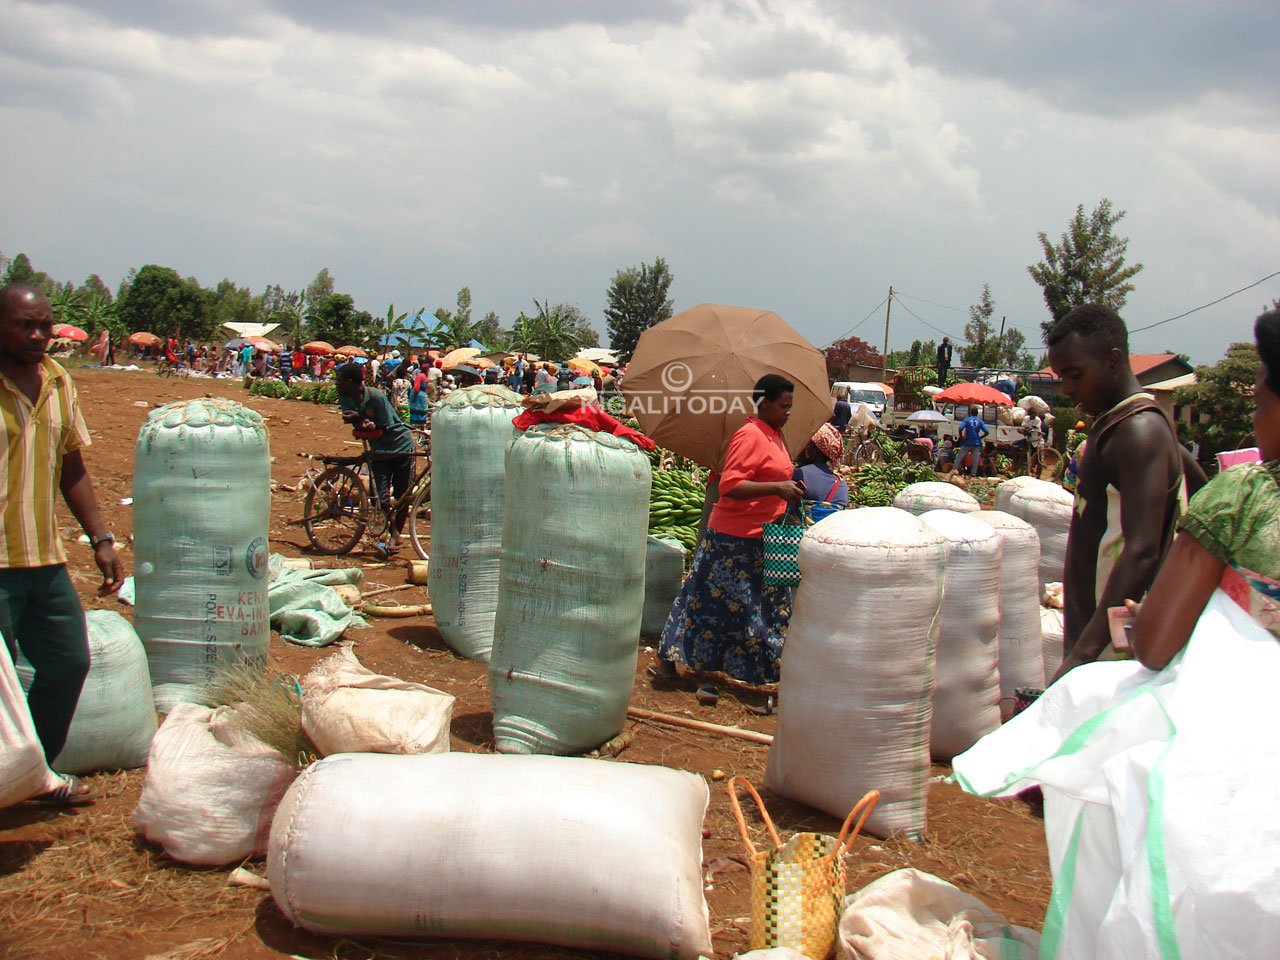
column 689, row 381
column 144, row 339
column 319, row 347
column 350, row 352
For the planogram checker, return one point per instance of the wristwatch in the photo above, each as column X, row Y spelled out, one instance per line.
column 107, row 537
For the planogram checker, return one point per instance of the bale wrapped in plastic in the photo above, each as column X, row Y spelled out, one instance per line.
column 857, row 678
column 929, row 495
column 201, row 503
column 1021, row 660
column 557, row 850
column 115, row 716
column 470, row 431
column 1048, row 508
column 663, row 576
column 1007, row 488
column 571, row 591
column 966, row 701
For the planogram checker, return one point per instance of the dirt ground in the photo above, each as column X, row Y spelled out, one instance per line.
column 80, row 884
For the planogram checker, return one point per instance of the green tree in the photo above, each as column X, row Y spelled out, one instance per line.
column 637, row 301
column 94, row 286
column 232, row 304
column 335, row 319
column 983, row 347
column 163, row 303
column 1087, row 265
column 100, row 314
column 319, row 288
column 1221, row 401
column 489, row 331
column 464, row 305
column 20, row 270
column 67, row 305
column 392, row 329
column 554, row 332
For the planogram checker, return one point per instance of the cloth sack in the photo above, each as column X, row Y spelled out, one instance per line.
column 1159, row 797
column 559, row 850
column 347, row 708
column 929, row 495
column 1051, row 640
column 910, row 914
column 23, row 772
column 797, row 886
column 1021, row 659
column 211, row 789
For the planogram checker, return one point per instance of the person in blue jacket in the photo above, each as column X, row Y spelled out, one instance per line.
column 972, row 430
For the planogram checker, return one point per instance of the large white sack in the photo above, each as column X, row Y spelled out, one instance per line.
column 1159, row 797
column 1051, row 640
column 347, row 708
column 1048, row 508
column 929, row 495
column 211, row 789
column 909, row 914
column 1007, row 488
column 567, row 851
column 966, row 700
column 23, row 772
column 1021, row 659
column 857, row 669
column 115, row 716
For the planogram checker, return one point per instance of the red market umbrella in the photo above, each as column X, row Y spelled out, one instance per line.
column 69, row 332
column 318, row 347
column 350, row 352
column 974, row 393
column 265, row 345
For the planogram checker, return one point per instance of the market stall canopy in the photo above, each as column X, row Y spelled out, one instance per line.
column 144, row 339
column 583, row 365
column 350, row 352
column 461, row 355
column 250, row 330
column 599, row 355
column 69, row 332
column 974, row 393
column 690, row 379
column 927, row 416
column 318, row 347
column 265, row 345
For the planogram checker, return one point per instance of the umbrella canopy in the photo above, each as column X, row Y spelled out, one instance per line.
column 69, row 332
column 599, row 355
column 463, row 368
column 318, row 347
column 235, row 344
column 265, row 345
column 583, row 365
column 350, row 352
column 144, row 339
column 461, row 355
column 689, row 381
column 974, row 393
column 927, row 416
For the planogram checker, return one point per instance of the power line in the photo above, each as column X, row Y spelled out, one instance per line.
column 1204, row 305
column 928, row 324
column 923, row 300
column 872, row 313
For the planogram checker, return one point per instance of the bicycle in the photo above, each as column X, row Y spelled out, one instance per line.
column 1041, row 461
column 339, row 510
column 858, row 452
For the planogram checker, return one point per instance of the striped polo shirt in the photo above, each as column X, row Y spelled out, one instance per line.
column 36, row 437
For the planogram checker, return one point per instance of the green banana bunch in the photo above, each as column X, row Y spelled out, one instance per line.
column 675, row 506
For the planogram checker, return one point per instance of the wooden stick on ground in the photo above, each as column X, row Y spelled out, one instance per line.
column 737, row 732
column 380, row 592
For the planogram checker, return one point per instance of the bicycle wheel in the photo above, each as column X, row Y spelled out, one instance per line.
column 420, row 517
column 336, row 511
column 1047, row 461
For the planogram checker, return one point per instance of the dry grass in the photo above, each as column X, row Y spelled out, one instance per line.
column 263, row 704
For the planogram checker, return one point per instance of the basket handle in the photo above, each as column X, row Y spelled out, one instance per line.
column 737, row 813
column 861, row 810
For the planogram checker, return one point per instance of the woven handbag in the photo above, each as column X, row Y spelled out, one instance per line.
column 782, row 549
column 797, row 887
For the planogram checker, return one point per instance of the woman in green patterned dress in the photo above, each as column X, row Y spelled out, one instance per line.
column 1230, row 536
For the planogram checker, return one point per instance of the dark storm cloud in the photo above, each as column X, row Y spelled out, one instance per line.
column 1103, row 58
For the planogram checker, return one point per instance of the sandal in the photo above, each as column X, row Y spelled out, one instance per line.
column 708, row 695
column 73, row 792
column 664, row 670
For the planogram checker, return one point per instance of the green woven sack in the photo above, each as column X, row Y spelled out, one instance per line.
column 782, row 550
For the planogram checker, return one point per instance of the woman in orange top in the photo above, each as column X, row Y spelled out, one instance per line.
column 725, row 619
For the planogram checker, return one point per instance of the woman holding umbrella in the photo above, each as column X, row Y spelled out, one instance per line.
column 725, row 619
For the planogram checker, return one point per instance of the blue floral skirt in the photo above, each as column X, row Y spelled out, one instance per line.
column 725, row 619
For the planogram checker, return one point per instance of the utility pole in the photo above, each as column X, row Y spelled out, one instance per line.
column 884, row 357
column 1000, row 340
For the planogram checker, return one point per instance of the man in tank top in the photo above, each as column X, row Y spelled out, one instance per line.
column 43, row 433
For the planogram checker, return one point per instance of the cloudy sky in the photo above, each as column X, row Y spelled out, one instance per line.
column 797, row 156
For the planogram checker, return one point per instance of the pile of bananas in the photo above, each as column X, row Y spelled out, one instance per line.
column 675, row 506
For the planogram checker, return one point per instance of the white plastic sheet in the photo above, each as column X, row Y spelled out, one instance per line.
column 23, row 772
column 1160, row 793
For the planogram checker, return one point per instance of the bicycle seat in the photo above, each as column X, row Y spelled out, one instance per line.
column 343, row 461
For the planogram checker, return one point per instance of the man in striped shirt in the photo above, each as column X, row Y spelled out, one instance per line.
column 43, row 433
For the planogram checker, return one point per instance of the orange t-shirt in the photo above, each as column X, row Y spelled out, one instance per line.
column 756, row 452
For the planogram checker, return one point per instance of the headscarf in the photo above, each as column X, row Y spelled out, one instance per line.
column 828, row 442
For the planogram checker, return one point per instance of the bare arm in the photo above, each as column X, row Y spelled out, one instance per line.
column 1164, row 621
column 77, row 490
column 1129, row 454
column 790, row 490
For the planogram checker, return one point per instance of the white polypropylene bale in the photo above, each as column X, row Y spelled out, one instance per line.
column 211, row 788
column 566, row 851
column 201, row 502
column 23, row 772
column 115, row 716
column 347, row 708
column 470, row 431
column 1051, row 639
column 571, row 591
column 1048, row 508
column 1007, row 488
column 663, row 576
column 929, row 495
column 855, row 698
column 1021, row 660
column 966, row 700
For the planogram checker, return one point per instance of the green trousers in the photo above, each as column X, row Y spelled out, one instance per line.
column 41, row 615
